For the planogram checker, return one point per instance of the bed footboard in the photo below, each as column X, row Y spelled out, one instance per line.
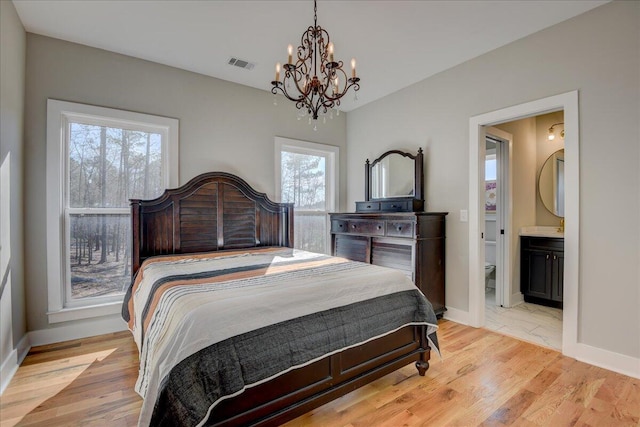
column 301, row 390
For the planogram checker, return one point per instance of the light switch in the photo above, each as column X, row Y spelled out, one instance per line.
column 464, row 215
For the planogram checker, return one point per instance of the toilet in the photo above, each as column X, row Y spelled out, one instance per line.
column 488, row 269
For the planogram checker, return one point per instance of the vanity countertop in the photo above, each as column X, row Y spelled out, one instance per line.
column 541, row 231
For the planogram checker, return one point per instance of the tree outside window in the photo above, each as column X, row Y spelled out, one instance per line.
column 107, row 167
column 97, row 159
column 307, row 179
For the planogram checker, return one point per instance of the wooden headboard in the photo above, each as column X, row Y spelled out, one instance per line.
column 213, row 211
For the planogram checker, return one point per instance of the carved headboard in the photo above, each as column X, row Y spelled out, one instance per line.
column 213, row 211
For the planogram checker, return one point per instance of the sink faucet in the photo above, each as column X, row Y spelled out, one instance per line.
column 561, row 228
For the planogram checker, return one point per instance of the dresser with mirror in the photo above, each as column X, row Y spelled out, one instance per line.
column 389, row 227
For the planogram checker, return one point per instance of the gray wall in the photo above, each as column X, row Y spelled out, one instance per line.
column 596, row 53
column 223, row 126
column 12, row 66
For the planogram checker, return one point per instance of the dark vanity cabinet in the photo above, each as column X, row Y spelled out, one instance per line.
column 412, row 242
column 542, row 270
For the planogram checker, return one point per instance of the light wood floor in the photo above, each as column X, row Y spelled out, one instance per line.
column 484, row 379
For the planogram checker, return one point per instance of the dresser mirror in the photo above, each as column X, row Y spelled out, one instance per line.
column 392, row 176
column 551, row 183
column 394, row 182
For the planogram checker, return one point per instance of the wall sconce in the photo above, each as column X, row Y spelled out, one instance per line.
column 552, row 134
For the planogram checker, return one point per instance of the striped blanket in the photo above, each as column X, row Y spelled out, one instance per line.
column 206, row 323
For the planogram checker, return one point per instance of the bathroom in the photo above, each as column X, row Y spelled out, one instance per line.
column 527, row 156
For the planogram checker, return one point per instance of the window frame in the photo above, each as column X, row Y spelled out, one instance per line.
column 59, row 113
column 332, row 156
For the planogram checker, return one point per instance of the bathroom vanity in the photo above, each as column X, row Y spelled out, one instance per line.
column 542, row 268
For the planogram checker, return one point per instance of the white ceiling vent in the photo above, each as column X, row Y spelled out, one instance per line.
column 241, row 63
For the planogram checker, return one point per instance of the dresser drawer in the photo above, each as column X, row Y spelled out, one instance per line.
column 375, row 228
column 367, row 206
column 397, row 206
column 339, row 226
column 411, row 242
column 399, row 229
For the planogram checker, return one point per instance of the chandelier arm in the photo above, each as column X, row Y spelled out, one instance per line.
column 306, row 44
column 289, row 97
column 283, row 87
column 302, row 101
column 297, row 77
column 330, row 76
column 354, row 85
column 275, row 90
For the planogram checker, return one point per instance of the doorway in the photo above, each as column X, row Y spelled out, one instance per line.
column 507, row 310
column 497, row 230
column 477, row 149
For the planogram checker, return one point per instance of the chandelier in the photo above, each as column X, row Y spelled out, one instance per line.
column 315, row 82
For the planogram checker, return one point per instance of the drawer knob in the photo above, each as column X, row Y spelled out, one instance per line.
column 379, row 227
column 393, row 206
column 399, row 228
column 353, row 226
column 368, row 206
column 340, row 225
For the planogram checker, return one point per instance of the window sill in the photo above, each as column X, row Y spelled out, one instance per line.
column 77, row 313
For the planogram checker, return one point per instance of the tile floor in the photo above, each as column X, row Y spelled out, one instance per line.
column 530, row 322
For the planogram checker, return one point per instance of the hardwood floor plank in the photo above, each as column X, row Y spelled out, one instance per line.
column 542, row 381
column 484, row 378
column 568, row 414
column 512, row 409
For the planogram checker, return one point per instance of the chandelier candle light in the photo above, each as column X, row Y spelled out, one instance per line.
column 315, row 76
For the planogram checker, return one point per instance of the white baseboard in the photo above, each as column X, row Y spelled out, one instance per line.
column 80, row 329
column 457, row 316
column 616, row 362
column 8, row 370
column 10, row 365
column 517, row 298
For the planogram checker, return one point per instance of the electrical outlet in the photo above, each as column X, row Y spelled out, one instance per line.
column 464, row 215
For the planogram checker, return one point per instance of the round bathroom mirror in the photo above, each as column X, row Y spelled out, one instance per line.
column 551, row 183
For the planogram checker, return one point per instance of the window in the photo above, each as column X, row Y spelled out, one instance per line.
column 491, row 183
column 97, row 159
column 307, row 176
column 490, row 167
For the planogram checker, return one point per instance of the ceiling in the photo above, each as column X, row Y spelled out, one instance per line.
column 396, row 43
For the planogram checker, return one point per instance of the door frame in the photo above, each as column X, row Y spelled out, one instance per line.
column 568, row 102
column 503, row 214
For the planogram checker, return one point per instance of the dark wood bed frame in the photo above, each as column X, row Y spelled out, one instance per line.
column 218, row 211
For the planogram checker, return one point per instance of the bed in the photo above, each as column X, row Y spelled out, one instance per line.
column 235, row 327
